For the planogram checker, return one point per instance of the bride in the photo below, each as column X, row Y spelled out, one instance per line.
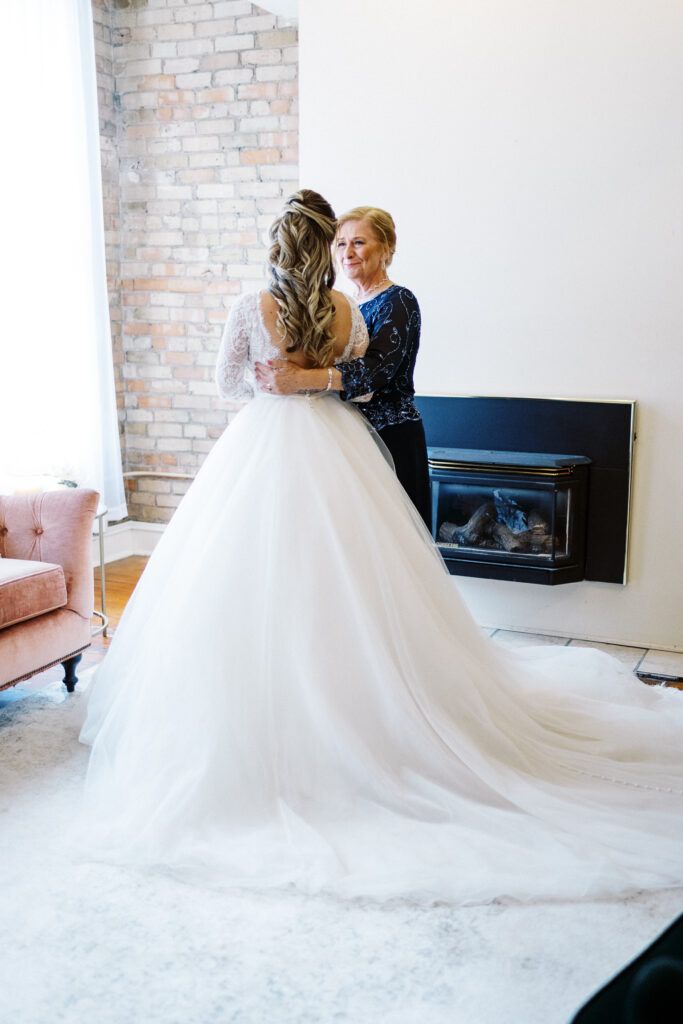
column 297, row 695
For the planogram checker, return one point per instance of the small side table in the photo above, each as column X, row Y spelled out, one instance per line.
column 101, row 612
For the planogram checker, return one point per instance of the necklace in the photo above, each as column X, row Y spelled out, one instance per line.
column 373, row 288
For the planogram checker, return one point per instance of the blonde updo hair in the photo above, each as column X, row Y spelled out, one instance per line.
column 381, row 222
column 301, row 274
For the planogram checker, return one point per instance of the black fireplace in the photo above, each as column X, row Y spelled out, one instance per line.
column 504, row 508
column 510, row 515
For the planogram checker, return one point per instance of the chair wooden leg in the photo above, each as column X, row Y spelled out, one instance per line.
column 70, row 678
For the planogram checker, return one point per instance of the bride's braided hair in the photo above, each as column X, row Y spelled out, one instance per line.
column 301, row 274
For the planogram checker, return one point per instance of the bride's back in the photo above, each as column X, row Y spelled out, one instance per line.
column 341, row 328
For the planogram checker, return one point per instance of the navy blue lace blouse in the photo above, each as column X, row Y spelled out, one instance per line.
column 393, row 322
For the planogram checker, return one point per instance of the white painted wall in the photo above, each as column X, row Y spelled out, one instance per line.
column 531, row 152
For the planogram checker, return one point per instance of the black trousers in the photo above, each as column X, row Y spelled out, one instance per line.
column 408, row 447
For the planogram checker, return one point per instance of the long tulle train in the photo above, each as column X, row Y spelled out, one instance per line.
column 297, row 694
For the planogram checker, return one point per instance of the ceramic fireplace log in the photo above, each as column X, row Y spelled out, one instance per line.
column 507, row 539
column 483, row 530
column 475, row 530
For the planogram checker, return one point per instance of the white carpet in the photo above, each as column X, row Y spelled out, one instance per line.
column 91, row 943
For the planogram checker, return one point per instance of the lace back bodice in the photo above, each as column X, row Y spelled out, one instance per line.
column 246, row 341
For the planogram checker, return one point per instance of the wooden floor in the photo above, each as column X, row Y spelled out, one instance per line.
column 119, row 582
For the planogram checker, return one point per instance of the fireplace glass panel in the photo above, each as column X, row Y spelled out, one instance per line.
column 493, row 520
column 509, row 515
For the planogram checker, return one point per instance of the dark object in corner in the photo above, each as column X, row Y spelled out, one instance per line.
column 648, row 991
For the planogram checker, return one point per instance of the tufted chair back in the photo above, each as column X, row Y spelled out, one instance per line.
column 54, row 526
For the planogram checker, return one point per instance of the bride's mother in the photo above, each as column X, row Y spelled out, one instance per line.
column 365, row 244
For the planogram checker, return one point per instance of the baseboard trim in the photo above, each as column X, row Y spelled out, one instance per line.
column 121, row 540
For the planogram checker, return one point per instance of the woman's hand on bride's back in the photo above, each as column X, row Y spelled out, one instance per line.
column 279, row 376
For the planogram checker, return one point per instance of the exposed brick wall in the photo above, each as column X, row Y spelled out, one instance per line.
column 204, row 97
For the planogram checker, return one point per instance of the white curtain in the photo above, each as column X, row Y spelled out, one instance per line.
column 57, row 402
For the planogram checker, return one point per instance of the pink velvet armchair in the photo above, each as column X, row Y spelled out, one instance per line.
column 46, row 582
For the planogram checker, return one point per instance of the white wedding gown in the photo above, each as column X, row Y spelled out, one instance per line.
column 297, row 695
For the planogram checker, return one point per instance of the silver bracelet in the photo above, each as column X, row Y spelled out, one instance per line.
column 329, row 379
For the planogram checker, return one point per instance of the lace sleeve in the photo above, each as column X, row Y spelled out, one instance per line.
column 358, row 343
column 233, row 354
